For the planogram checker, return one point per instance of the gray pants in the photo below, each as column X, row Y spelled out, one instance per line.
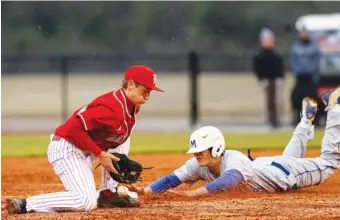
column 313, row 171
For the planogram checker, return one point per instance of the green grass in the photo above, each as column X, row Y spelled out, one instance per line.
column 16, row 145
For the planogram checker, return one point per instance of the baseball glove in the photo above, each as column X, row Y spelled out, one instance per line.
column 129, row 171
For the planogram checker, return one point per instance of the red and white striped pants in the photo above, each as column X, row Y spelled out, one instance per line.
column 74, row 168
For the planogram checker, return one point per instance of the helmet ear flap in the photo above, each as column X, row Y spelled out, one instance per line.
column 216, row 151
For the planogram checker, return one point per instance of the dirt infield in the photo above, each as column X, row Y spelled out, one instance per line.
column 30, row 176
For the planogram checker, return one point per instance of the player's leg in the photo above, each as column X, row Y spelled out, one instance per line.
column 107, row 182
column 304, row 130
column 330, row 149
column 313, row 171
column 108, row 196
column 70, row 164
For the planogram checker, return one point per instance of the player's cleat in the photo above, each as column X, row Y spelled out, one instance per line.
column 309, row 109
column 331, row 98
column 109, row 200
column 16, row 206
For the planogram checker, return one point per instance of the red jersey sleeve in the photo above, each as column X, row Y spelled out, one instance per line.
column 98, row 117
column 84, row 141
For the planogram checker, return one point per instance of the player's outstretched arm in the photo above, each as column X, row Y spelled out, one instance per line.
column 160, row 185
column 227, row 181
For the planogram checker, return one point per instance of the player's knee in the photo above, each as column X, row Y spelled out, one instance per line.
column 89, row 203
column 92, row 205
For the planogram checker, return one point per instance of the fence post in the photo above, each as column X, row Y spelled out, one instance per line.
column 194, row 71
column 64, row 88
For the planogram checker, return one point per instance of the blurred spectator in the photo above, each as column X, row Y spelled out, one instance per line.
column 268, row 67
column 304, row 61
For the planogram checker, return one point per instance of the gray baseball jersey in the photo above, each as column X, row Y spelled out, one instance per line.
column 284, row 172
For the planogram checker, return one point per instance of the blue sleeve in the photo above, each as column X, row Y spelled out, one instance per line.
column 229, row 180
column 165, row 183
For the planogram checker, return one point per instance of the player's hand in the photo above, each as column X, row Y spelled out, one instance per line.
column 134, row 188
column 140, row 190
column 106, row 161
column 146, row 191
column 197, row 192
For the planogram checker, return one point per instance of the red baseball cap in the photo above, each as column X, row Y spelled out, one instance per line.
column 143, row 75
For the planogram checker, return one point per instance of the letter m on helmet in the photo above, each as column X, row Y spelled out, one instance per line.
column 193, row 143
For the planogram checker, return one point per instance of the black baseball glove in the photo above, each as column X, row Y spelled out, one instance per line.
column 129, row 171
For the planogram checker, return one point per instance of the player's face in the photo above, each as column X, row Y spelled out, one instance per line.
column 204, row 158
column 139, row 94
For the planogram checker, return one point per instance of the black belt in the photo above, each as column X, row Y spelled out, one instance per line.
column 277, row 165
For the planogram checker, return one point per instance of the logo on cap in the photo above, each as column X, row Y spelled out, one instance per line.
column 193, row 143
column 143, row 75
column 154, row 79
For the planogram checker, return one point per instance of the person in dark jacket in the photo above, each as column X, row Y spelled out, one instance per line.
column 304, row 61
column 269, row 70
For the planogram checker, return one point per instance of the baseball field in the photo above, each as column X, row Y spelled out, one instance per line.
column 26, row 172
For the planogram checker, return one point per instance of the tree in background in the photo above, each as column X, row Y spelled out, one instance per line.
column 154, row 27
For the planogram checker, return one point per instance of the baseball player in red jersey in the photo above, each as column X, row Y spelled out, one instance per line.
column 92, row 132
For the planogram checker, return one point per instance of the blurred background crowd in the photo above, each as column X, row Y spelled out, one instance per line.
column 257, row 60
